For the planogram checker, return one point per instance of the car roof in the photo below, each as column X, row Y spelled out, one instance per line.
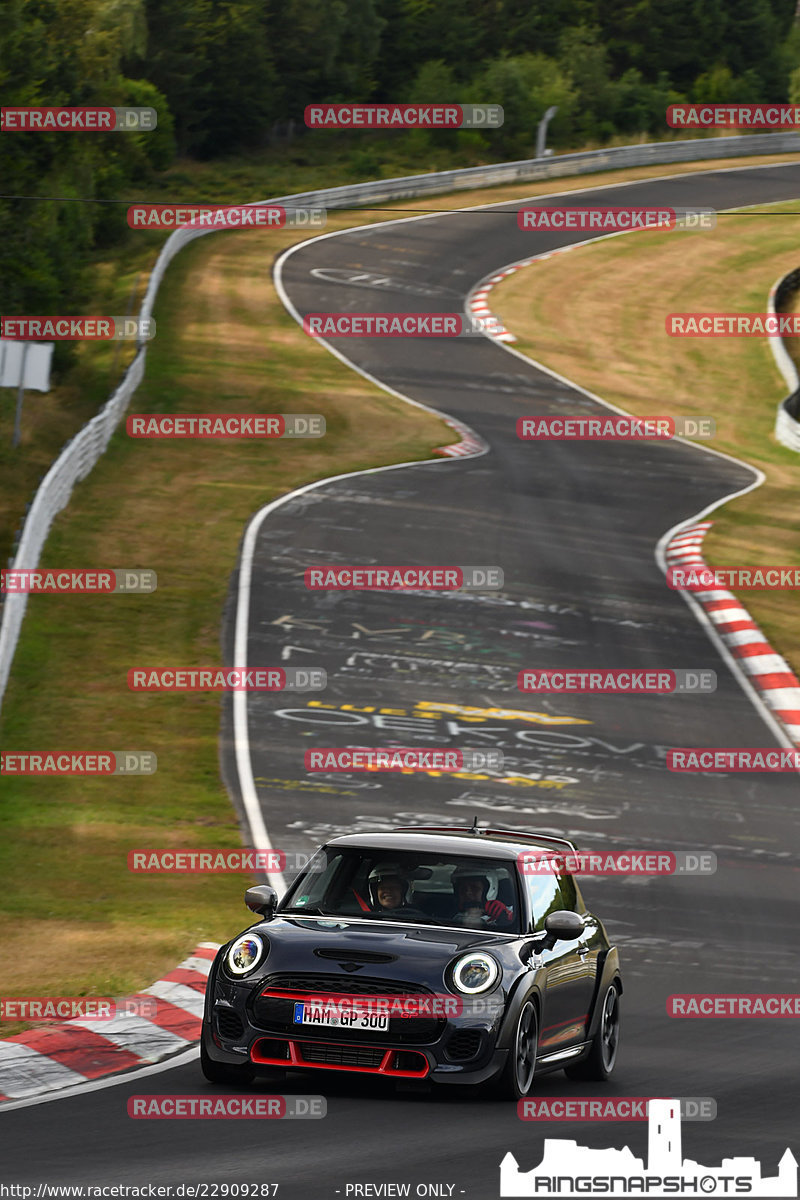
column 490, row 843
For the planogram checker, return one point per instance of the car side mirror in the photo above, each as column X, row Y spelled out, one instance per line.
column 262, row 900
column 562, row 926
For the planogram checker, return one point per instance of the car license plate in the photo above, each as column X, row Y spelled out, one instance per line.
column 335, row 1018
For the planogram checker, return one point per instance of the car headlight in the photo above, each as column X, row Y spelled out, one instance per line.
column 475, row 973
column 245, row 953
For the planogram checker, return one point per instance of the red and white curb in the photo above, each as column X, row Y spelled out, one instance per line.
column 767, row 671
column 477, row 300
column 477, row 304
column 61, row 1055
column 470, row 442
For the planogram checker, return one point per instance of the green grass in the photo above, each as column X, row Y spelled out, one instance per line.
column 180, row 509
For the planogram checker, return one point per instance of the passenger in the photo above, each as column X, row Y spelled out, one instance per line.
column 471, row 888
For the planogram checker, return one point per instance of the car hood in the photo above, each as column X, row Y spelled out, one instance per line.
column 368, row 949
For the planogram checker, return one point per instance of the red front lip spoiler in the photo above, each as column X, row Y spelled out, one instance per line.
column 296, row 1059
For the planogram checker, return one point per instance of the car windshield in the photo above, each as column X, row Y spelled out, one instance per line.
column 418, row 888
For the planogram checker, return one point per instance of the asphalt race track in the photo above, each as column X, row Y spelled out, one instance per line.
column 573, row 527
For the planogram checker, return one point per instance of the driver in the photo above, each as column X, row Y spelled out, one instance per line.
column 470, row 890
column 388, row 887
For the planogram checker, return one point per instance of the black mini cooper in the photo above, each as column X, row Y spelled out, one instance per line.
column 422, row 953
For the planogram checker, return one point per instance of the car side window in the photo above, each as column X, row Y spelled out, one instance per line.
column 544, row 896
column 569, row 893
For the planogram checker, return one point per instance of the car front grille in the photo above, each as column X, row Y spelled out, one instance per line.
column 345, row 1056
column 344, row 985
column 339, row 1056
column 275, row 1013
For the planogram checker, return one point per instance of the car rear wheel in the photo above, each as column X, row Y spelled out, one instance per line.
column 216, row 1072
column 517, row 1078
column 603, row 1055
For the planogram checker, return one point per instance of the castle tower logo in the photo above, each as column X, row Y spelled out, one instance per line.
column 568, row 1169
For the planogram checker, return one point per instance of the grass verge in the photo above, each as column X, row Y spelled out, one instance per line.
column 612, row 341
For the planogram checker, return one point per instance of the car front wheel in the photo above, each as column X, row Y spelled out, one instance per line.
column 603, row 1055
column 517, row 1078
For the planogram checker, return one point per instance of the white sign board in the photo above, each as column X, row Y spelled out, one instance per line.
column 37, row 364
